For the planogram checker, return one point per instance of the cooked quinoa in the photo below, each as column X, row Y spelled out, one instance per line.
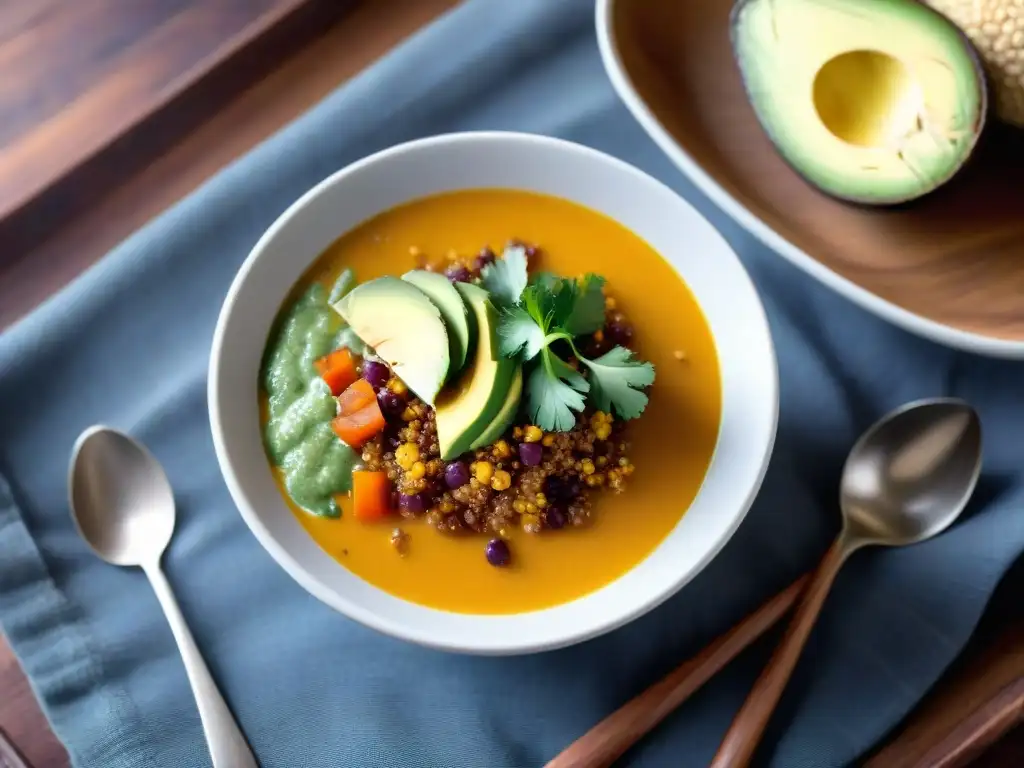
column 528, row 479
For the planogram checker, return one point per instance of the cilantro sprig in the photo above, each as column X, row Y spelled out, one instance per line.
column 538, row 314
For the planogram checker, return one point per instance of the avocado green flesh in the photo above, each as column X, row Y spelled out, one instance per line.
column 468, row 406
column 876, row 101
column 457, row 320
column 505, row 416
column 314, row 463
column 404, row 328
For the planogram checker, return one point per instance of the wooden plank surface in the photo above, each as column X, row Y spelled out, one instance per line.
column 59, row 234
column 80, row 74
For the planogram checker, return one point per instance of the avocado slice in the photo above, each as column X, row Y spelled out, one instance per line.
column 457, row 320
column 468, row 406
column 404, row 328
column 872, row 101
column 505, row 416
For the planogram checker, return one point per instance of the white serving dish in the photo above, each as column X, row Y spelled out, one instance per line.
column 519, row 161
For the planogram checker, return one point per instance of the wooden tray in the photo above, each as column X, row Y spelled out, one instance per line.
column 90, row 83
column 949, row 267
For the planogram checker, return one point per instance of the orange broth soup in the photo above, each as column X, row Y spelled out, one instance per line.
column 671, row 444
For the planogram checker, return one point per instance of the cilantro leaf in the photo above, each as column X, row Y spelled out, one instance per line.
column 518, row 331
column 547, row 281
column 587, row 313
column 564, row 371
column 532, row 301
column 556, row 295
column 506, row 277
column 561, row 300
column 552, row 402
column 535, row 314
column 615, row 378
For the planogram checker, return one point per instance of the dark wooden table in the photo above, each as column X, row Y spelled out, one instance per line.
column 116, row 110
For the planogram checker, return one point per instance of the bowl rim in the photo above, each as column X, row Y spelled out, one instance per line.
column 417, row 634
column 919, row 325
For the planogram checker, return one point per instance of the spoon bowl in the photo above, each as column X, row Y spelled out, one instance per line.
column 909, row 477
column 121, row 500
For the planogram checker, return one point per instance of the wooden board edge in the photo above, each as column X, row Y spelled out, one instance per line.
column 278, row 31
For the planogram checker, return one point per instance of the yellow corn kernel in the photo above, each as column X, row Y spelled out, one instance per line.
column 406, row 455
column 603, row 431
column 530, row 523
column 446, row 506
column 531, row 508
column 519, row 506
column 623, row 461
column 501, row 450
column 532, row 434
column 501, row 480
column 417, row 471
column 397, row 386
column 408, row 414
column 609, row 302
column 548, row 441
column 601, row 461
column 483, row 471
column 627, row 470
column 540, row 500
column 587, row 466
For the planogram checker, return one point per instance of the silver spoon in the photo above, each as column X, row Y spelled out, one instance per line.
column 122, row 504
column 906, row 479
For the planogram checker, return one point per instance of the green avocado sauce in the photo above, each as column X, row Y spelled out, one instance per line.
column 299, row 440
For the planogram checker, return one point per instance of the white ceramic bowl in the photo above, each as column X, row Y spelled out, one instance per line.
column 517, row 161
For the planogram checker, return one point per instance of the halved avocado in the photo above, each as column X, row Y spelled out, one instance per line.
column 871, row 101
column 457, row 320
column 468, row 406
column 404, row 328
column 505, row 416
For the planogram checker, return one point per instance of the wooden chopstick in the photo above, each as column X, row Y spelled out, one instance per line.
column 610, row 738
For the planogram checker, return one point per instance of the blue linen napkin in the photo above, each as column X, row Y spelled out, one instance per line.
column 127, row 345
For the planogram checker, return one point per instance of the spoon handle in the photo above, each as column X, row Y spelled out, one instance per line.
column 228, row 748
column 609, row 739
column 743, row 735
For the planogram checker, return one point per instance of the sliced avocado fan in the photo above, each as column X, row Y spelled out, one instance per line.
column 459, row 323
column 872, row 101
column 468, row 407
column 404, row 328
